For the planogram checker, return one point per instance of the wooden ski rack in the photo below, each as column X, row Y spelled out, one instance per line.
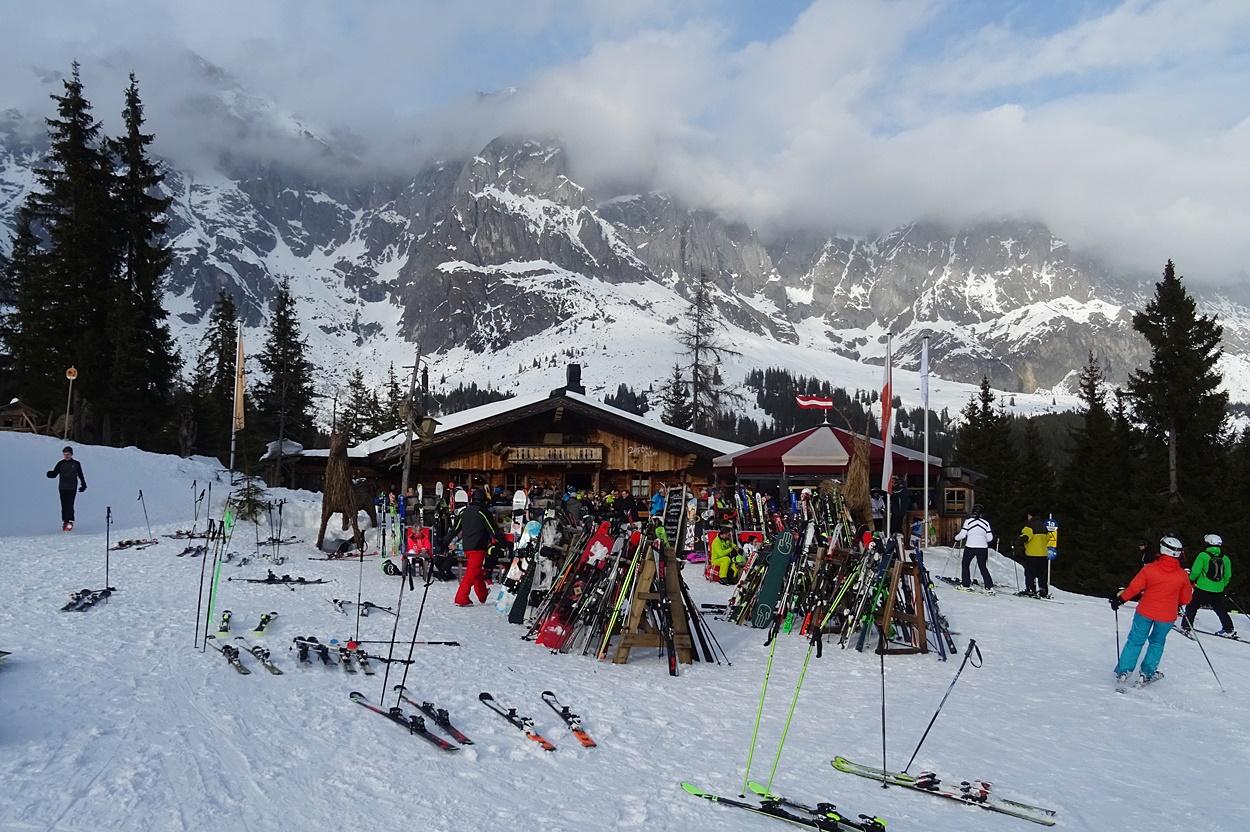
column 638, row 631
column 892, row 611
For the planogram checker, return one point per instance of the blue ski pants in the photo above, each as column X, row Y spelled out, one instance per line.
column 1143, row 630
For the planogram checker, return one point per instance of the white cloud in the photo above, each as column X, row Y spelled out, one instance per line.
column 1124, row 129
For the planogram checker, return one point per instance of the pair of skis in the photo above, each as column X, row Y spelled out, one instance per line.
column 414, row 724
column 85, row 599
column 234, row 655
column 972, row 792
column 823, row 816
column 265, row 619
column 439, row 716
column 526, row 724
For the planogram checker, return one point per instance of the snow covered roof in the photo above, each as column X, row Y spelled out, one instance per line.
column 466, row 418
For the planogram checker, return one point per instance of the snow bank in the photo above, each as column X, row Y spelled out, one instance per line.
column 110, row 720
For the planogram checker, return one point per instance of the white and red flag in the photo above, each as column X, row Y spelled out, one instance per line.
column 887, row 411
column 814, row 403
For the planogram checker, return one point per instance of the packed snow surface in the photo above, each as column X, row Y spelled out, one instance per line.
column 112, row 720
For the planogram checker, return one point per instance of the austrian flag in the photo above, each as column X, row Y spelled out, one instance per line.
column 814, row 402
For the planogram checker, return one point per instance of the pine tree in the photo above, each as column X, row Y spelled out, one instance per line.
column 1178, row 398
column 985, row 445
column 60, row 316
column 18, row 269
column 626, row 399
column 699, row 332
column 212, row 385
column 284, row 399
column 1096, row 551
column 392, row 414
column 674, row 404
column 362, row 412
column 144, row 360
column 1037, row 483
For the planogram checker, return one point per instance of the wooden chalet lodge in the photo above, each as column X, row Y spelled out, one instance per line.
column 555, row 440
column 565, row 438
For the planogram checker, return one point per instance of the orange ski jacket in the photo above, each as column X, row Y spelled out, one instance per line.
column 1164, row 588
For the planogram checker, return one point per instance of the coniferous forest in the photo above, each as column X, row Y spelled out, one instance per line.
column 83, row 288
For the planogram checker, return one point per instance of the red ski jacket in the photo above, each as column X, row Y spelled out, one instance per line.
column 1164, row 588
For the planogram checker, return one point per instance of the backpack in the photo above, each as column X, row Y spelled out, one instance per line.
column 1215, row 568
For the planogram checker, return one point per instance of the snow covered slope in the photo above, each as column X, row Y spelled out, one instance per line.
column 110, row 720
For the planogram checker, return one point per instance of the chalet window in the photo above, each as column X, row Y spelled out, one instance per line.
column 958, row 501
column 640, row 487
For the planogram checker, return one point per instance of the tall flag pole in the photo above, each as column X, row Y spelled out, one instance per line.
column 240, row 388
column 924, row 400
column 887, row 410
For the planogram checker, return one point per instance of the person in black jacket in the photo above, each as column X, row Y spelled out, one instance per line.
column 476, row 531
column 70, row 472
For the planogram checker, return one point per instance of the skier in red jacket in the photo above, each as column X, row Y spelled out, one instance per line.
column 1164, row 588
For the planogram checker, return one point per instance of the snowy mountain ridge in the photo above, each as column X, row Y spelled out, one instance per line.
column 492, row 261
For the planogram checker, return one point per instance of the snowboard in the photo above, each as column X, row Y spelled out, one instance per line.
column 520, row 503
column 774, row 577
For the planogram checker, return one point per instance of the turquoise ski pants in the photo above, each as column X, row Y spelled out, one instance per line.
column 1143, row 630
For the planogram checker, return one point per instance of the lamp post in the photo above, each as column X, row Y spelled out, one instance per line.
column 70, row 374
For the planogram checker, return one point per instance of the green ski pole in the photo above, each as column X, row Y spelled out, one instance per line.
column 812, row 646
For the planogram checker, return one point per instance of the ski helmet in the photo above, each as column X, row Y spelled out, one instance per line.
column 1171, row 547
column 1213, row 540
column 478, row 497
column 977, row 509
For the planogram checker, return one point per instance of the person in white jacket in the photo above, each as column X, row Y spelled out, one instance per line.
column 976, row 534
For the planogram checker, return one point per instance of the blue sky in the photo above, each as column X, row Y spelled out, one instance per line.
column 1123, row 124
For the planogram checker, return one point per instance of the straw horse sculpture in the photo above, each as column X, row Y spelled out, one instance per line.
column 341, row 495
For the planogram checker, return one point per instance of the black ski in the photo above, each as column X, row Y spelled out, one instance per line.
column 265, row 621
column 867, row 823
column 524, row 723
column 438, row 715
column 231, row 653
column 261, row 654
column 286, row 580
column 770, row 808
column 308, row 643
column 414, row 724
column 570, row 719
column 86, row 599
column 345, row 655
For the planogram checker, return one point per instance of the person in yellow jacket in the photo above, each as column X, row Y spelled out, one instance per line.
column 1033, row 536
column 726, row 556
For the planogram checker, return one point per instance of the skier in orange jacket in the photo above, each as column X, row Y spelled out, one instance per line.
column 1164, row 588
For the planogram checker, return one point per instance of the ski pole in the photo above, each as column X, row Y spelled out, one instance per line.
column 429, row 579
column 1117, row 633
column 813, row 644
column 144, row 504
column 199, row 599
column 1198, row 642
column 360, row 580
column 1015, row 549
column 108, row 528
column 1240, row 607
column 759, row 713
column 385, row 641
column 390, row 654
column 972, row 645
column 885, row 776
